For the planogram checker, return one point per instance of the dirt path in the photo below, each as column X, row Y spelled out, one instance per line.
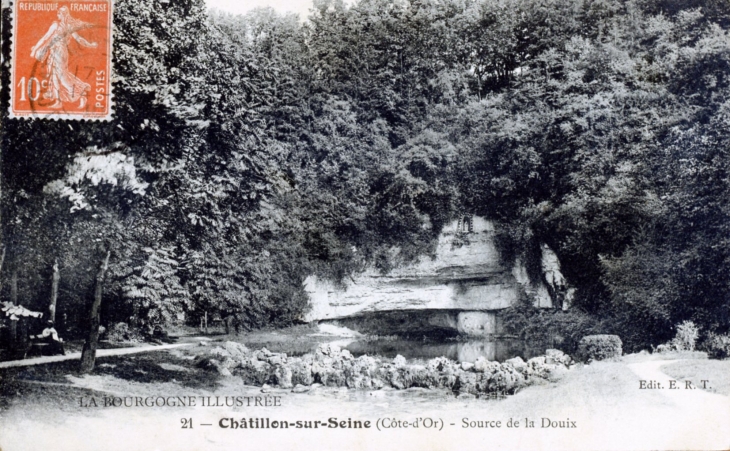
column 701, row 410
column 603, row 399
column 99, row 353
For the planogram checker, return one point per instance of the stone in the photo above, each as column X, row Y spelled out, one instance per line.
column 212, row 364
column 419, row 376
column 222, row 369
column 466, row 383
column 334, row 378
column 229, row 363
column 255, row 372
column 358, row 382
column 283, row 376
column 480, row 364
column 438, row 363
column 517, row 363
column 301, row 372
column 328, row 349
column 276, row 359
column 506, row 380
column 536, row 361
column 299, row 388
column 396, row 379
column 441, row 284
column 333, row 367
column 236, row 351
column 307, row 358
column 555, row 356
column 447, row 377
column 219, row 352
column 399, row 361
column 482, row 382
column 483, row 365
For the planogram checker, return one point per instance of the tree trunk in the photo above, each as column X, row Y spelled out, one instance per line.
column 14, row 301
column 88, row 355
column 54, row 292
column 14, row 287
column 2, row 261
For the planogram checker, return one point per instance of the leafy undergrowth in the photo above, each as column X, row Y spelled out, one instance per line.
column 717, row 372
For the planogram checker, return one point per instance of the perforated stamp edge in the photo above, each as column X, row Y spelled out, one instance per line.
column 105, row 117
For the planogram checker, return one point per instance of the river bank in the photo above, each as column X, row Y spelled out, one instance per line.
column 602, row 399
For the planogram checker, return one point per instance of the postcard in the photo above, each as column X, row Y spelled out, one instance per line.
column 364, row 225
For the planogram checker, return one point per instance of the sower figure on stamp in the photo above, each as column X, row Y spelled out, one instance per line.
column 50, row 337
column 63, row 86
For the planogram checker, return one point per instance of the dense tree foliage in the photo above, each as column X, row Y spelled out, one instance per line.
column 250, row 151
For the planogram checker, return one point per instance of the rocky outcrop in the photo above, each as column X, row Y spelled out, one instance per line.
column 467, row 275
column 333, row 367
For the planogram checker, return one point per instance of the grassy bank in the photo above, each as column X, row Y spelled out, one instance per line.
column 716, row 372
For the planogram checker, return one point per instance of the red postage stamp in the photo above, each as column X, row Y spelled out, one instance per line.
column 62, row 59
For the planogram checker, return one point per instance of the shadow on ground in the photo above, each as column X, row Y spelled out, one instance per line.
column 48, row 382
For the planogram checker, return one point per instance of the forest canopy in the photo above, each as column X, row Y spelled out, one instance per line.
column 248, row 152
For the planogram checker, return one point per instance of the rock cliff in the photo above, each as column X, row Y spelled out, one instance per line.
column 467, row 281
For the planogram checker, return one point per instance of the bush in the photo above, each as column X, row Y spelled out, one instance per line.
column 120, row 332
column 686, row 338
column 717, row 346
column 548, row 327
column 599, row 347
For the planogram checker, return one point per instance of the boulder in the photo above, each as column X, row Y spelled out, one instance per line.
column 255, row 372
column 420, row 376
column 299, row 388
column 438, row 363
column 392, row 376
column 283, row 376
column 448, row 377
column 359, row 381
column 236, row 351
column 301, row 372
column 557, row 357
column 483, row 365
column 517, row 363
column 399, row 361
column 334, row 378
column 220, row 367
column 328, row 349
column 536, row 361
column 466, row 383
column 506, row 380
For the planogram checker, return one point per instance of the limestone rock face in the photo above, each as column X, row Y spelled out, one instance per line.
column 470, row 277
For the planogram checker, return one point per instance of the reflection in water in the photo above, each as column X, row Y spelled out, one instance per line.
column 462, row 351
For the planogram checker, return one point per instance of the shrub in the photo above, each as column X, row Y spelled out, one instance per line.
column 686, row 338
column 717, row 346
column 599, row 347
column 120, row 332
column 548, row 327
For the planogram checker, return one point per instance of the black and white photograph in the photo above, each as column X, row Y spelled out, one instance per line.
column 365, row 225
